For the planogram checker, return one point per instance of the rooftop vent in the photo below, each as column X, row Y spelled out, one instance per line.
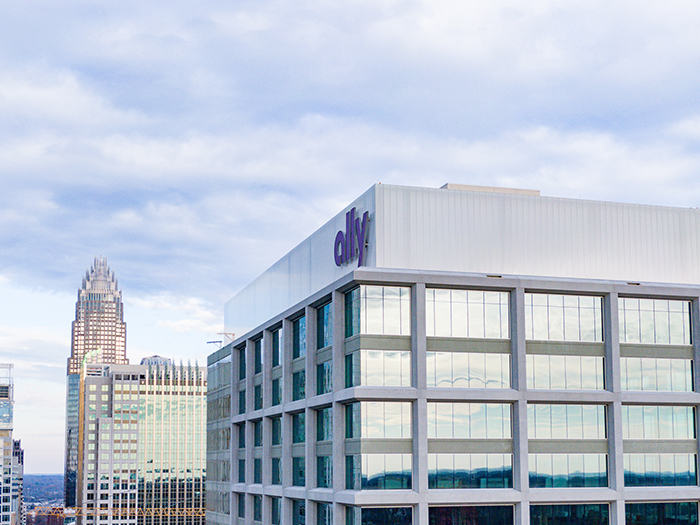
column 489, row 189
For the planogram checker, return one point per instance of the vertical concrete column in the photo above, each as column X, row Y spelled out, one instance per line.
column 420, row 409
column 695, row 334
column 267, row 368
column 267, row 425
column 286, row 510
column 519, row 383
column 616, row 473
column 338, row 313
column 249, row 433
column 286, row 459
column 310, row 445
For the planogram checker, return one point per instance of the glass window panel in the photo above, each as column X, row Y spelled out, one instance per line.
column 654, row 321
column 299, row 337
column 324, row 324
column 557, row 370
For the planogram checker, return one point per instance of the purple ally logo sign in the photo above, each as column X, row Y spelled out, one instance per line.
column 353, row 240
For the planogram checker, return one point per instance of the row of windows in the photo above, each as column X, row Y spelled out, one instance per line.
column 389, row 471
column 393, row 420
column 477, row 370
column 668, row 513
column 385, row 310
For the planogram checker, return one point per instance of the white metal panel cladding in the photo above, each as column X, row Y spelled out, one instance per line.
column 474, row 232
column 451, row 230
column 306, row 269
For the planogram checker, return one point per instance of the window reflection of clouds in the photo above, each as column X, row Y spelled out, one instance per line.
column 658, row 422
column 469, row 420
column 467, row 370
column 566, row 421
column 660, row 374
column 550, row 317
column 654, row 321
column 467, row 313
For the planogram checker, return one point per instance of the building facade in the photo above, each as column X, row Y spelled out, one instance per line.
column 98, row 335
column 142, row 444
column 12, row 511
column 452, row 357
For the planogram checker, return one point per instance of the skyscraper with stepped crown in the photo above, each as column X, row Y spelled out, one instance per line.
column 98, row 335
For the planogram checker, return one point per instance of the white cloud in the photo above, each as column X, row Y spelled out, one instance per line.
column 193, row 144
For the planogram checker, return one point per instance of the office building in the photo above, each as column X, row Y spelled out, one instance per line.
column 12, row 511
column 142, row 443
column 460, row 356
column 98, row 335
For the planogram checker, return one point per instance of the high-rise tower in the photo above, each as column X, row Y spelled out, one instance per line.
column 11, row 455
column 98, row 336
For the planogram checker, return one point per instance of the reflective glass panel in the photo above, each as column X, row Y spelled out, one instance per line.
column 298, row 472
column 469, row 421
column 658, row 422
column 299, row 337
column 476, row 515
column 299, row 427
column 299, row 385
column 467, row 370
column 550, row 317
column 566, row 421
column 324, row 326
column 276, row 348
column 659, row 374
column 378, row 310
column 257, row 345
column 565, row 372
column 670, row 513
column 653, row 470
column 467, row 313
column 378, row 368
column 470, row 471
column 378, row 420
column 568, row 470
column 654, row 321
column 324, row 378
column 324, row 424
column 379, row 516
column 588, row 514
column 324, row 471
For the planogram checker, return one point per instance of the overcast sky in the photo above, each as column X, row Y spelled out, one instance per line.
column 194, row 143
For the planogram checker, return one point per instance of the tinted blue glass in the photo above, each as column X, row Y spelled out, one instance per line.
column 299, row 385
column 568, row 470
column 299, row 337
column 590, row 514
column 298, row 472
column 671, row 513
column 457, row 471
column 654, row 470
column 477, row 515
column 324, row 326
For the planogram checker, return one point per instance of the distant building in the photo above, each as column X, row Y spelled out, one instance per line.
column 98, row 336
column 12, row 456
column 18, row 507
column 141, row 443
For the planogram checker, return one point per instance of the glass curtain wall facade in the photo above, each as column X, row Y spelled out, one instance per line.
column 415, row 403
column 142, row 444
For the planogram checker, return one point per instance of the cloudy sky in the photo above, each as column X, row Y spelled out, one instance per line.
column 194, row 143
